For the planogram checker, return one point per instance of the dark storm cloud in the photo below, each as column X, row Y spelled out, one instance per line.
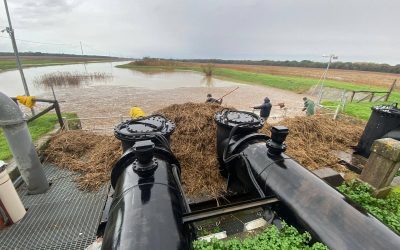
column 354, row 29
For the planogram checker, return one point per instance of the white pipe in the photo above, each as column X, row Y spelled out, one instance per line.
column 9, row 198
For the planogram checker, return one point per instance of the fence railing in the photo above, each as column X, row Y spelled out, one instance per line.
column 53, row 105
column 94, row 126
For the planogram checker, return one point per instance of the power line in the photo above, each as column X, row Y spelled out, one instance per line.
column 44, row 43
column 71, row 45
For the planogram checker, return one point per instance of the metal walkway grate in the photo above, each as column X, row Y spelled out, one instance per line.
column 62, row 218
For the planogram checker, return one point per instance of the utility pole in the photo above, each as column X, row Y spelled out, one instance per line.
column 10, row 31
column 323, row 77
column 84, row 63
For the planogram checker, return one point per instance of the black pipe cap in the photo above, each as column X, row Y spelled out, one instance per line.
column 276, row 144
column 279, row 133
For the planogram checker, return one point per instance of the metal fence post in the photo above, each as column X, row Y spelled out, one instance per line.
column 66, row 127
column 343, row 100
column 336, row 112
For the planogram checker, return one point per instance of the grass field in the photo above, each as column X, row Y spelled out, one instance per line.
column 364, row 78
column 296, row 84
column 7, row 63
column 37, row 128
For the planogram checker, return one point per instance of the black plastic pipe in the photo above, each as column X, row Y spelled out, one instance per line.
column 147, row 207
column 327, row 214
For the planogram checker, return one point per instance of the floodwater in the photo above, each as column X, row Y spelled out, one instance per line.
column 11, row 84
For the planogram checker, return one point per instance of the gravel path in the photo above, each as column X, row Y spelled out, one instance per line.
column 113, row 101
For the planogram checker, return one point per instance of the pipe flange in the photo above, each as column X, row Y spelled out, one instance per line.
column 140, row 168
column 11, row 122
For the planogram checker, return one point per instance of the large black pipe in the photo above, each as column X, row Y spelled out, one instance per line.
column 148, row 202
column 327, row 214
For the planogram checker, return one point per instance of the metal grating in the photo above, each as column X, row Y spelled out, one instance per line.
column 62, row 218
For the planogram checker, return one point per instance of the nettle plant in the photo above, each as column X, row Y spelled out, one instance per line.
column 387, row 210
column 272, row 238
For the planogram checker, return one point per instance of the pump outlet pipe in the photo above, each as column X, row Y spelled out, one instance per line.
column 20, row 142
column 327, row 214
column 148, row 202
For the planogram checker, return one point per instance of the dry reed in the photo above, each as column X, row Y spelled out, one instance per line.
column 194, row 144
column 312, row 139
column 68, row 79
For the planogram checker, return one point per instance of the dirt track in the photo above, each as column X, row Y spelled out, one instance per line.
column 110, row 101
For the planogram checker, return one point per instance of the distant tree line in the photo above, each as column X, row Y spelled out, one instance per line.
column 364, row 66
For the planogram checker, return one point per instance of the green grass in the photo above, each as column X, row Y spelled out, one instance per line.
column 296, row 84
column 37, row 128
column 360, row 110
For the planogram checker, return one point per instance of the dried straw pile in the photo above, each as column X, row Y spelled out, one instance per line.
column 194, row 144
column 90, row 154
column 312, row 139
column 310, row 142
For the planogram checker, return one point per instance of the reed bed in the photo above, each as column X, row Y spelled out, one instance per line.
column 68, row 79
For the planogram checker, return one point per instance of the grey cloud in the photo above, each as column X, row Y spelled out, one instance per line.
column 357, row 30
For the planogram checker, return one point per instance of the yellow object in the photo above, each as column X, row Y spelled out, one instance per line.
column 136, row 112
column 28, row 101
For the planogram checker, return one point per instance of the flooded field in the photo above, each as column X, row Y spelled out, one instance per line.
column 113, row 96
column 10, row 81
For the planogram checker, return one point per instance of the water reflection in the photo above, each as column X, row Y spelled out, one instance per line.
column 208, row 81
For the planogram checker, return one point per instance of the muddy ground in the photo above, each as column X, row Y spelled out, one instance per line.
column 112, row 101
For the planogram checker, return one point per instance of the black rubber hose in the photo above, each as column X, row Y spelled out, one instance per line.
column 178, row 182
column 252, row 178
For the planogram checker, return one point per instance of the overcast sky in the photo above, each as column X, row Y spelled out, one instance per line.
column 356, row 30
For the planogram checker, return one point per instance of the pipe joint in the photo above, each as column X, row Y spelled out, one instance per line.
column 276, row 145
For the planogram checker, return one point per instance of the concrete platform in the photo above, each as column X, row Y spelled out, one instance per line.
column 62, row 218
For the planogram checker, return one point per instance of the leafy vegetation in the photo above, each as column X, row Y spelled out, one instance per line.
column 272, row 238
column 387, row 210
column 37, row 128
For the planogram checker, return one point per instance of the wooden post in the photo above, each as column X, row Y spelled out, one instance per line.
column 352, row 96
column 383, row 163
column 390, row 90
column 58, row 112
column 372, row 96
